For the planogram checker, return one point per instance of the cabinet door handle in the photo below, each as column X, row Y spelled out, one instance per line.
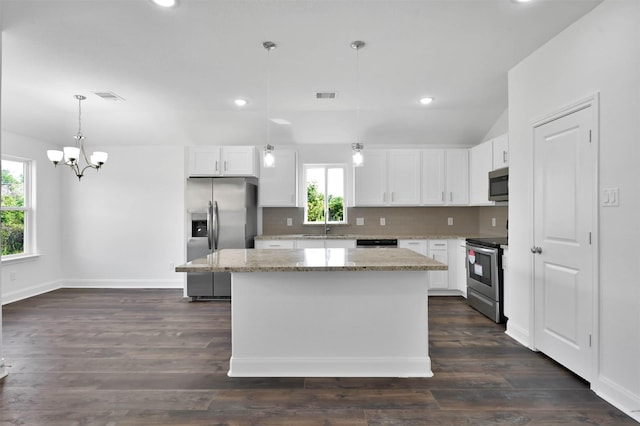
column 217, row 165
column 504, row 156
column 225, row 165
column 443, row 196
column 393, row 196
column 384, row 197
column 450, row 196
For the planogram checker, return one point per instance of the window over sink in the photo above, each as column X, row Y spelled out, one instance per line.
column 325, row 187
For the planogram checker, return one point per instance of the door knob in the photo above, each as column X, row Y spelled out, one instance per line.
column 536, row 250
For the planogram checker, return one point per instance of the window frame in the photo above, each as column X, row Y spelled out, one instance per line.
column 28, row 208
column 326, row 167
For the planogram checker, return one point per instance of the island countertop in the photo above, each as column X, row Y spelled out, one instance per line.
column 315, row 259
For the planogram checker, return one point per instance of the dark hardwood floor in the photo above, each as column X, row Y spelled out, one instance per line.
column 148, row 357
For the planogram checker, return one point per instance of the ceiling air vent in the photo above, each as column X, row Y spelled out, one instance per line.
column 109, row 96
column 326, row 95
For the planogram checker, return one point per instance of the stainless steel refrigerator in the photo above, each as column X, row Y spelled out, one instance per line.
column 223, row 214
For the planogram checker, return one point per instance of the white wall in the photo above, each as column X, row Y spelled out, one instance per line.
column 599, row 53
column 43, row 273
column 123, row 224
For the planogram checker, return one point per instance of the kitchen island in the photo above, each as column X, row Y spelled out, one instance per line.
column 326, row 312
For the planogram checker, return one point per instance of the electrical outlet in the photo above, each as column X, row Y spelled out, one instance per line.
column 383, row 221
column 360, row 221
column 450, row 221
column 289, row 221
column 493, row 222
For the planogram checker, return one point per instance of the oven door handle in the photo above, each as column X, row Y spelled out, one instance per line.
column 482, row 249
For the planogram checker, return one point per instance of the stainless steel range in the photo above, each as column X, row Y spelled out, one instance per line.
column 485, row 277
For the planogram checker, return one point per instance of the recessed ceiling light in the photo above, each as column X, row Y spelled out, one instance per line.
column 281, row 121
column 165, row 3
column 425, row 101
column 240, row 102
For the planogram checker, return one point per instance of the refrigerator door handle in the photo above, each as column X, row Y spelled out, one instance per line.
column 216, row 226
column 209, row 223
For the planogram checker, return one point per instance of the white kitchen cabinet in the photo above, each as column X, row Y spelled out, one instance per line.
column 419, row 246
column 274, row 244
column 403, row 178
column 445, row 177
column 501, row 151
column 310, row 243
column 480, row 164
column 439, row 250
column 433, row 177
column 331, row 243
column 461, row 265
column 388, row 178
column 278, row 185
column 370, row 180
column 222, row 161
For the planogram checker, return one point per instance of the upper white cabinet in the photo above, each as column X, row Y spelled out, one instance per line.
column 278, row 185
column 370, row 180
column 445, row 177
column 222, row 161
column 480, row 164
column 501, row 151
column 483, row 158
column 403, row 176
column 388, row 178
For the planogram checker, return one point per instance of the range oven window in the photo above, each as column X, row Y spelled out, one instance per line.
column 480, row 266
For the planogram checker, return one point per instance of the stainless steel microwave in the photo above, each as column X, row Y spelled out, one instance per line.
column 499, row 185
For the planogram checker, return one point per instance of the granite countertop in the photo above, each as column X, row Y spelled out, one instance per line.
column 317, row 259
column 355, row 237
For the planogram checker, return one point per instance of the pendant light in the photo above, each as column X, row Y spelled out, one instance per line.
column 356, row 148
column 75, row 156
column 268, row 158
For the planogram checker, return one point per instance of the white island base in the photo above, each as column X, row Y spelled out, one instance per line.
column 330, row 324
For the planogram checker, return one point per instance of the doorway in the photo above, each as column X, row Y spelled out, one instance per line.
column 564, row 236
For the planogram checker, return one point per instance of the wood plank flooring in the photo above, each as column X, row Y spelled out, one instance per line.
column 149, row 357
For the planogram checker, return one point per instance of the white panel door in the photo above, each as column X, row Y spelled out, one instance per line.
column 564, row 179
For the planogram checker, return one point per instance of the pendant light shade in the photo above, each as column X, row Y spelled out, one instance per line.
column 357, row 157
column 268, row 159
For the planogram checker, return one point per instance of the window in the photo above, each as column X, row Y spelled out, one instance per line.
column 16, row 207
column 325, row 186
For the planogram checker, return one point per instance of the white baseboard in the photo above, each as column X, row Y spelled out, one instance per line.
column 146, row 283
column 25, row 293
column 619, row 397
column 330, row 367
column 519, row 334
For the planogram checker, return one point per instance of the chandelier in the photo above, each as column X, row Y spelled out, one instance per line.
column 75, row 156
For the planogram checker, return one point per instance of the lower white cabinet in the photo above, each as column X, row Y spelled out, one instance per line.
column 439, row 250
column 461, row 265
column 444, row 251
column 305, row 243
column 325, row 243
column 274, row 244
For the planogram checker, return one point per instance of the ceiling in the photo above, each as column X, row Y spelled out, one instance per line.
column 179, row 69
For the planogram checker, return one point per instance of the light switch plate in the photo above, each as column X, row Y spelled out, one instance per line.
column 360, row 221
column 450, row 221
column 289, row 221
column 493, row 222
column 610, row 197
column 383, row 221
